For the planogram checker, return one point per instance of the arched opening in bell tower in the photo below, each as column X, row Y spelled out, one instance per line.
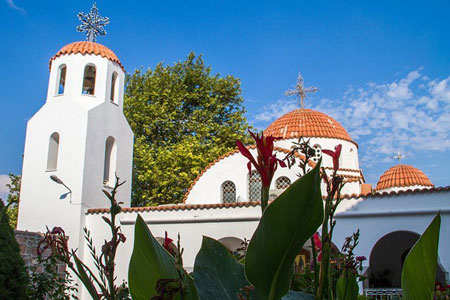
column 114, row 88
column 61, row 79
column 89, row 80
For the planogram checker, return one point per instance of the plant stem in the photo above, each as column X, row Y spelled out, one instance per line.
column 326, row 244
column 316, row 270
column 264, row 198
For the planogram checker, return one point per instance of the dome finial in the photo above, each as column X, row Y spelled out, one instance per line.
column 92, row 24
column 399, row 157
column 300, row 90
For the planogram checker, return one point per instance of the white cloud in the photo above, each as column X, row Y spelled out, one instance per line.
column 274, row 111
column 397, row 116
column 440, row 90
column 401, row 90
column 4, row 191
column 14, row 6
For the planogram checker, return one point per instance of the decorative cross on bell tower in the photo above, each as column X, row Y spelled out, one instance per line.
column 92, row 24
column 399, row 157
column 300, row 90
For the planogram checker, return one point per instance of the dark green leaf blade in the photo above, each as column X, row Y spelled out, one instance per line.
column 217, row 274
column 284, row 228
column 151, row 262
column 347, row 288
column 85, row 279
column 419, row 269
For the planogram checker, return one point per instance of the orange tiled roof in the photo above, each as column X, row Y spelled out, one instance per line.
column 366, row 189
column 88, row 48
column 176, row 207
column 307, row 123
column 402, row 176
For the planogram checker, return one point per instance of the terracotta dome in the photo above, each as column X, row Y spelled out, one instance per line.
column 307, row 123
column 403, row 176
column 88, row 48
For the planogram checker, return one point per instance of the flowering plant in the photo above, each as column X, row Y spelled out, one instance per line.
column 266, row 162
column 442, row 291
column 100, row 286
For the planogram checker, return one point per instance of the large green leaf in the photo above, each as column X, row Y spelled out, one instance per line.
column 347, row 288
column 419, row 268
column 151, row 262
column 217, row 274
column 284, row 228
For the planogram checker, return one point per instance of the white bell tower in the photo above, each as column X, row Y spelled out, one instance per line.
column 80, row 138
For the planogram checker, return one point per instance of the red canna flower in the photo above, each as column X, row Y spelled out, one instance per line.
column 167, row 244
column 318, row 246
column 266, row 162
column 361, row 258
column 335, row 155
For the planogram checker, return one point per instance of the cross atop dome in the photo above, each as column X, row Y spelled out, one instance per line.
column 92, row 23
column 399, row 157
column 300, row 90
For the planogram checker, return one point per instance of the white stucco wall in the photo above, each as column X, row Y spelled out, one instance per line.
column 207, row 189
column 349, row 153
column 191, row 224
column 377, row 216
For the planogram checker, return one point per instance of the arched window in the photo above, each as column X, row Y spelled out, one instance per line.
column 61, row 79
column 113, row 93
column 53, row 148
column 228, row 190
column 89, row 80
column 110, row 161
column 254, row 186
column 282, row 182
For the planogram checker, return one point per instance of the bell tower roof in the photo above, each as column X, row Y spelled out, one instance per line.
column 86, row 47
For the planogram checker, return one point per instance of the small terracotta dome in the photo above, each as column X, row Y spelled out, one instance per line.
column 403, row 176
column 87, row 48
column 307, row 123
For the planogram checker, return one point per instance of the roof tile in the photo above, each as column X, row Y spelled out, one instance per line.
column 86, row 47
column 307, row 123
column 402, row 176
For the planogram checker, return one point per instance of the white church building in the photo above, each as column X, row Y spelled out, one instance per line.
column 80, row 138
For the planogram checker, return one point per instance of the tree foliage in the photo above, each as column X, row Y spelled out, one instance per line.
column 13, row 275
column 183, row 117
column 13, row 199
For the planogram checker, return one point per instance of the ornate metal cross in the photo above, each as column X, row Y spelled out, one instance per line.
column 399, row 157
column 300, row 90
column 92, row 24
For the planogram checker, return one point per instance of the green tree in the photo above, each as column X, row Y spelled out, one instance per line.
column 13, row 275
column 13, row 199
column 183, row 117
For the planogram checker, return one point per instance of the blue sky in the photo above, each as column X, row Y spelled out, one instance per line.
column 382, row 67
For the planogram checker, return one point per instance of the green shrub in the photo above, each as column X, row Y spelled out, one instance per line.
column 13, row 275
